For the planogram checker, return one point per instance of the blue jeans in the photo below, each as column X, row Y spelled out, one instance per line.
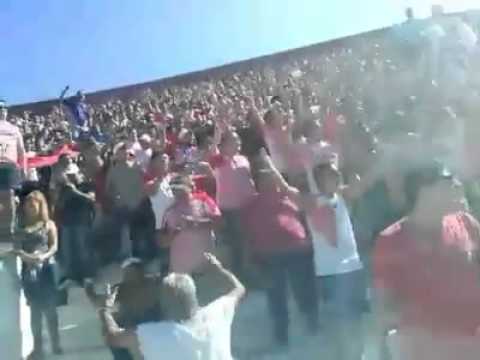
column 344, row 294
column 294, row 269
column 233, row 235
column 76, row 252
column 343, row 302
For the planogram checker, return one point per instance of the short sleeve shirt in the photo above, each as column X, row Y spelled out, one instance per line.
column 206, row 337
column 434, row 275
column 10, row 137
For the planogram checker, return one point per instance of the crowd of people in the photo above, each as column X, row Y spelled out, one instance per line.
column 289, row 173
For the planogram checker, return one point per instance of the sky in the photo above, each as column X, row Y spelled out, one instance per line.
column 100, row 44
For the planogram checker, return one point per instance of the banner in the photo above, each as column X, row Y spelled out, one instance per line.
column 39, row 161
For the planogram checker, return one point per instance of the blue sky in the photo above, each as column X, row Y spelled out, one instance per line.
column 99, row 44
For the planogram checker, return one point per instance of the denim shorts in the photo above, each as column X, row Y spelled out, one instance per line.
column 343, row 294
column 9, row 176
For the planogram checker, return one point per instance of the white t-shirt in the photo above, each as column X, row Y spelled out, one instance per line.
column 161, row 201
column 10, row 137
column 206, row 337
column 342, row 258
column 143, row 157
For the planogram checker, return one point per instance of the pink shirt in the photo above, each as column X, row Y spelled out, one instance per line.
column 189, row 245
column 235, row 186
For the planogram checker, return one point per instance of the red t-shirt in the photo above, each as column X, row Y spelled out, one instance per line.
column 205, row 184
column 273, row 225
column 435, row 280
column 148, row 176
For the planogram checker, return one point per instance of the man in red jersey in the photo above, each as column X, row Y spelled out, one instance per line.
column 427, row 275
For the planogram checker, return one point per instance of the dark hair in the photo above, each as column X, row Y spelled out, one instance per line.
column 157, row 154
column 269, row 116
column 275, row 99
column 228, row 135
column 320, row 170
column 417, row 179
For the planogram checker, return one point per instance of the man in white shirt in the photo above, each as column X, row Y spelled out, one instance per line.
column 338, row 267
column 189, row 332
column 161, row 197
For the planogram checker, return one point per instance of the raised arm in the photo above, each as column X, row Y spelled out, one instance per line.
column 218, row 133
column 115, row 335
column 52, row 241
column 63, row 93
column 253, row 115
column 22, row 158
column 236, row 288
column 90, row 197
column 291, row 191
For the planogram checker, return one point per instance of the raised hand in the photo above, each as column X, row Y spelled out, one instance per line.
column 212, row 261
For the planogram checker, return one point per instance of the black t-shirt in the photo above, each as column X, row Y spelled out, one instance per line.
column 252, row 141
column 74, row 208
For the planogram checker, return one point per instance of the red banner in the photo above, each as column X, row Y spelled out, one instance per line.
column 49, row 160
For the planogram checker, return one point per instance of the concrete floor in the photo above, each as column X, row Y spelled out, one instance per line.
column 81, row 337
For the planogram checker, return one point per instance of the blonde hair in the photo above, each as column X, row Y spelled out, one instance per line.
column 43, row 214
